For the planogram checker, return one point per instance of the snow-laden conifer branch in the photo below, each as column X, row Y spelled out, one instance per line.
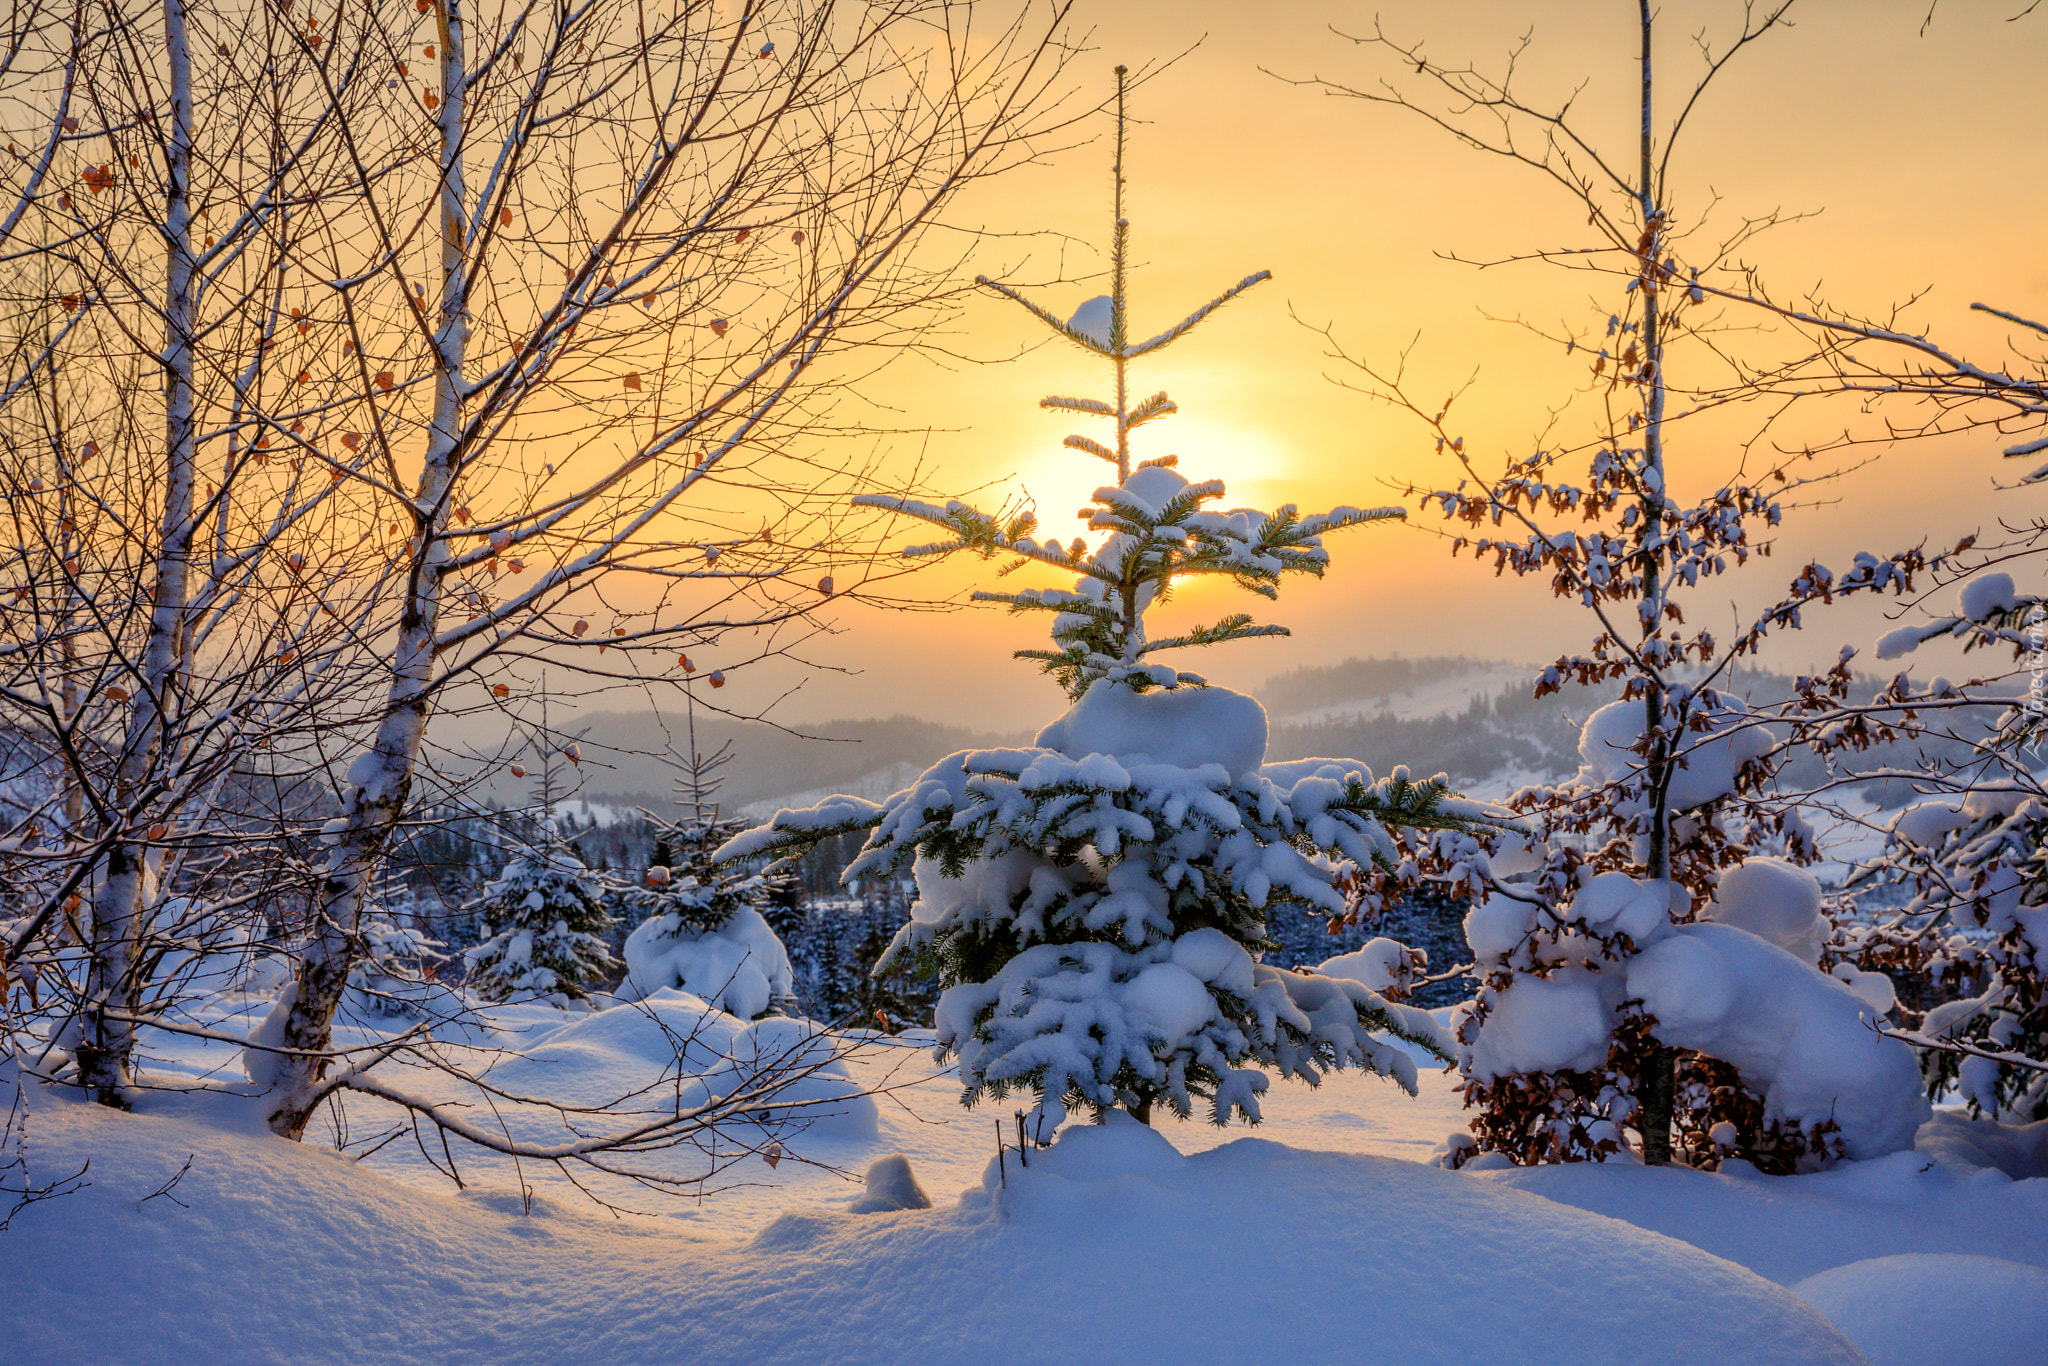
column 1189, row 323
column 1159, row 405
column 1094, row 407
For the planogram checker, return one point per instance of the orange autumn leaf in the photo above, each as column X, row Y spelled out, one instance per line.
column 385, row 379
column 500, row 690
column 98, row 178
column 505, row 217
column 352, row 439
column 633, row 380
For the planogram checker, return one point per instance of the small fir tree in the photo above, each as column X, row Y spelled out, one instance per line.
column 1095, row 905
column 544, row 925
column 397, row 961
column 700, row 926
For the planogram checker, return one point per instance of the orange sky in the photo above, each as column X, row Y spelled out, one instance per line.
column 1925, row 156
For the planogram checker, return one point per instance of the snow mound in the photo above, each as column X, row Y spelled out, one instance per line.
column 1937, row 1309
column 1184, row 727
column 2020, row 1151
column 1787, row 1228
column 823, row 1102
column 1801, row 1039
column 891, row 1185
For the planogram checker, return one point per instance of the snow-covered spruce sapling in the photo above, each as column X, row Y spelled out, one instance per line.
column 1095, row 905
column 544, row 926
column 695, row 924
column 699, row 926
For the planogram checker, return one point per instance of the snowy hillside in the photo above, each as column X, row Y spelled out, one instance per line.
column 1321, row 1231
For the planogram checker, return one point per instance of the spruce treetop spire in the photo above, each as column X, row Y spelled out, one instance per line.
column 1160, row 529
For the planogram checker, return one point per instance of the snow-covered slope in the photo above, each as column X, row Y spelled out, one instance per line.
column 1311, row 1240
column 1112, row 1247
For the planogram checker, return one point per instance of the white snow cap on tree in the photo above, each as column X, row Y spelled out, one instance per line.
column 1091, row 320
column 1798, row 1037
column 1382, row 965
column 1708, row 761
column 1980, row 602
column 740, row 967
column 1775, row 901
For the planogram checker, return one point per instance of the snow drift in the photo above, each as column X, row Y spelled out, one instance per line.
column 1112, row 1246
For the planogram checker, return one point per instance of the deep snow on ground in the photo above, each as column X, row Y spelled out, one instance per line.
column 1308, row 1239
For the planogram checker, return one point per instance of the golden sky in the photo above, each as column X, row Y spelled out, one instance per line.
column 1923, row 158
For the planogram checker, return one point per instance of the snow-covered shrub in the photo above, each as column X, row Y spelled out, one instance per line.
column 1596, row 982
column 1095, row 904
column 1972, row 936
column 1976, row 927
column 543, row 924
column 700, row 927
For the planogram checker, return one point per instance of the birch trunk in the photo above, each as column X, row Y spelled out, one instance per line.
column 106, row 1043
column 380, row 780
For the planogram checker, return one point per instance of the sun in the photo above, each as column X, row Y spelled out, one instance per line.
column 1059, row 482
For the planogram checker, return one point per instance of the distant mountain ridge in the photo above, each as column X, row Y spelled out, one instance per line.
column 1472, row 719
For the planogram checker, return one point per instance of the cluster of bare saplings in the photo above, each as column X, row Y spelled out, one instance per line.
column 358, row 359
